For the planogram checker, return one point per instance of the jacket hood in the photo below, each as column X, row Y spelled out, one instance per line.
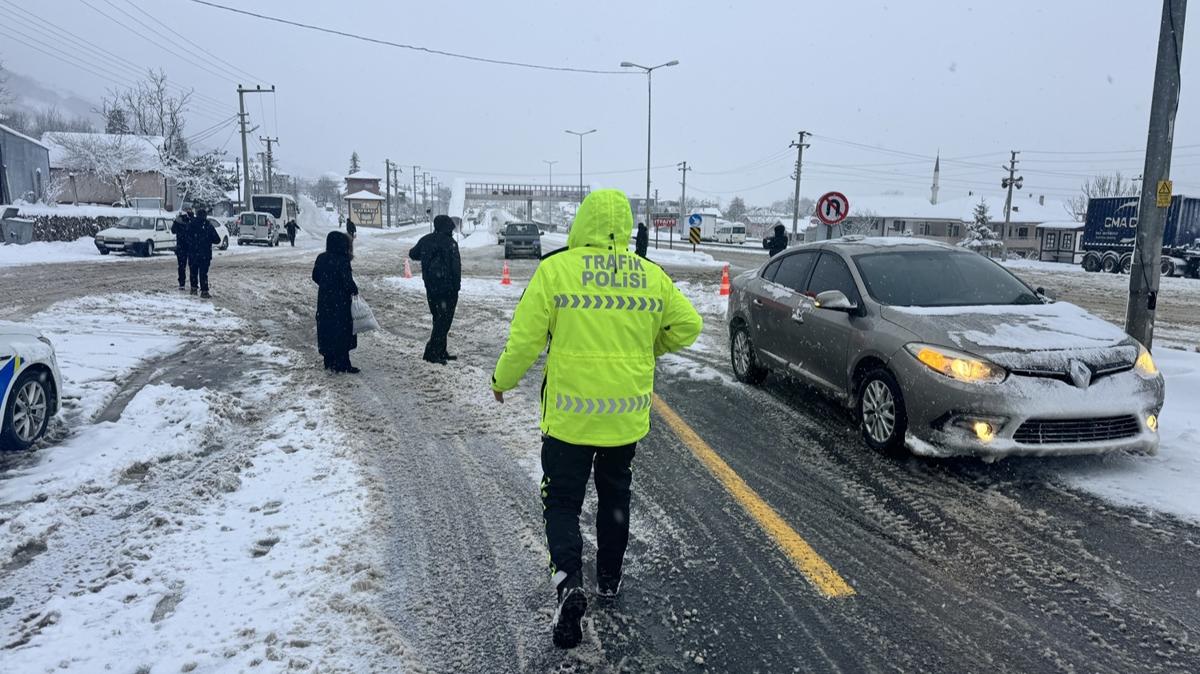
column 603, row 220
column 780, row 230
column 337, row 243
column 443, row 224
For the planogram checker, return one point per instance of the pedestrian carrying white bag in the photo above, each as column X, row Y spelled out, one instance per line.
column 363, row 317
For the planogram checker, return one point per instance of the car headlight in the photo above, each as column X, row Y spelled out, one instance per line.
column 1144, row 365
column 957, row 365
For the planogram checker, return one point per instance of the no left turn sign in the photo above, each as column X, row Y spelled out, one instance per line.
column 833, row 207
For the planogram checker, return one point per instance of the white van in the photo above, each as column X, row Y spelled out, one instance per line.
column 257, row 228
column 731, row 233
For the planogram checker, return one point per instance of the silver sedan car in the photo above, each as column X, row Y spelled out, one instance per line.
column 943, row 351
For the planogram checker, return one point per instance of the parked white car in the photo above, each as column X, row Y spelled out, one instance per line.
column 30, row 385
column 137, row 235
column 222, row 231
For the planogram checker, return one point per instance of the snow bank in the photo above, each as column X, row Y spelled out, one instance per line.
column 706, row 298
column 1166, row 482
column 474, row 287
column 50, row 252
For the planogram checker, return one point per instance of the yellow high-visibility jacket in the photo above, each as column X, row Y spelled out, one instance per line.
column 604, row 315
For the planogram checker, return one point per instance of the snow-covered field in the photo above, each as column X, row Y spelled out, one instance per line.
column 46, row 252
column 206, row 527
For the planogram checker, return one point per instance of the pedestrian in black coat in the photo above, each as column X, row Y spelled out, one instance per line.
column 351, row 228
column 778, row 243
column 202, row 236
column 181, row 228
column 441, row 269
column 335, row 290
column 291, row 228
column 642, row 241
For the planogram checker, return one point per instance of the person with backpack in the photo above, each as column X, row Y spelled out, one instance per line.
column 597, row 386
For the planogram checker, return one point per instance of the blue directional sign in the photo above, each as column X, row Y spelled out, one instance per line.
column 694, row 219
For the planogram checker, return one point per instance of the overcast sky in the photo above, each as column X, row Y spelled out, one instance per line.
column 973, row 79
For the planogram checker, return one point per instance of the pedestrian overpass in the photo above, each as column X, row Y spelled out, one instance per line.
column 464, row 193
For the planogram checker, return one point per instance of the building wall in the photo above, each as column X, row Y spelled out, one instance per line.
column 87, row 189
column 365, row 213
column 357, row 185
column 26, row 167
column 1054, row 248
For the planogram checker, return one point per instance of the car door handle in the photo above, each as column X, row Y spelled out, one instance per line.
column 757, row 302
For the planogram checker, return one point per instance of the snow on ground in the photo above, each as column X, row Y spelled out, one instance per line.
column 47, row 252
column 80, row 211
column 471, row 286
column 1166, row 482
column 1038, row 265
column 202, row 529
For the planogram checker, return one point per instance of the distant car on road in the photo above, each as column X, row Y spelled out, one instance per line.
column 258, row 228
column 222, row 231
column 944, row 351
column 522, row 238
column 30, row 385
column 137, row 235
column 731, row 233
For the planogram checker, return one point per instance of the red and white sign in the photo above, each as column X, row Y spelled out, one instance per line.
column 664, row 223
column 833, row 207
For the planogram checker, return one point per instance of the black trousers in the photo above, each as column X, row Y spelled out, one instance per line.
column 442, row 308
column 566, row 468
column 292, row 237
column 182, row 261
column 199, row 271
column 338, row 362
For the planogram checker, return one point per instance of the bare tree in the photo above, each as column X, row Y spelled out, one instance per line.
column 1114, row 185
column 862, row 222
column 326, row 191
column 109, row 159
column 202, row 178
column 149, row 109
column 5, row 95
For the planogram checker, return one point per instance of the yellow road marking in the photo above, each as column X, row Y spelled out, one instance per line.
column 801, row 554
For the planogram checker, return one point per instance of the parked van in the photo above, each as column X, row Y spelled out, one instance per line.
column 731, row 233
column 257, row 228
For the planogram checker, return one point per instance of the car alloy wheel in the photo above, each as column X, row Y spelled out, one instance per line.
column 745, row 364
column 879, row 411
column 29, row 411
column 149, row 249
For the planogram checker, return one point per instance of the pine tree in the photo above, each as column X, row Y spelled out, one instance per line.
column 980, row 236
column 355, row 165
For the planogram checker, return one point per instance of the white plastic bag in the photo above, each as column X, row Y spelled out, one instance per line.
column 364, row 318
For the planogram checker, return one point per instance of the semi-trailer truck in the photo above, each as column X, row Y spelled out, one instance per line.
column 1110, row 231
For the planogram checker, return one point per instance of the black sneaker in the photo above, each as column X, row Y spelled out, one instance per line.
column 195, row 291
column 205, row 295
column 568, row 619
column 608, row 587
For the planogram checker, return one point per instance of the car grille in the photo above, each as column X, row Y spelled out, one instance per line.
column 1064, row 431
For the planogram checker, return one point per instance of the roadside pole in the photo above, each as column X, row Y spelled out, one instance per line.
column 246, row 188
column 387, row 192
column 799, row 164
column 1013, row 180
column 683, row 166
column 269, row 164
column 1152, row 208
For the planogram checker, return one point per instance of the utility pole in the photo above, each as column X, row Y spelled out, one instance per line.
column 415, row 168
column 269, row 167
column 1152, row 215
column 387, row 191
column 1013, row 180
column 247, row 192
column 262, row 160
column 683, row 166
column 237, row 168
column 796, row 198
column 396, row 171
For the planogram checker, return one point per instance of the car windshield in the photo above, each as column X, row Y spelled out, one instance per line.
column 272, row 205
column 522, row 229
column 135, row 222
column 939, row 278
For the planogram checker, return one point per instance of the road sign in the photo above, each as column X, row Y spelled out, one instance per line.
column 1164, row 194
column 833, row 207
column 694, row 235
column 694, row 219
column 664, row 222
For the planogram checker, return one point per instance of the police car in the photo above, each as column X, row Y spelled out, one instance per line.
column 29, row 385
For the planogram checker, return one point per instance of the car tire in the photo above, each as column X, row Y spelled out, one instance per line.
column 104, row 251
column 148, row 249
column 31, row 391
column 224, row 243
column 1091, row 263
column 742, row 357
column 881, row 413
column 1126, row 264
column 1111, row 264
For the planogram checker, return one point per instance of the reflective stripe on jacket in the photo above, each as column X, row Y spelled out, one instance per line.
column 604, row 315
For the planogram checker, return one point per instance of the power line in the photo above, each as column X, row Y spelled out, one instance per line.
column 183, row 37
column 399, row 45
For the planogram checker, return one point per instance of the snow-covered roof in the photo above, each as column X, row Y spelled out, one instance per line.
column 708, row 210
column 1062, row 224
column 962, row 209
column 364, row 195
column 363, row 175
column 142, row 157
column 18, row 134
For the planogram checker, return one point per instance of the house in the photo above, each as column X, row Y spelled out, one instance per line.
column 1060, row 241
column 24, row 167
column 362, row 181
column 103, row 168
column 365, row 208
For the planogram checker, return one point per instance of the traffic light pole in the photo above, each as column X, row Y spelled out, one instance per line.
column 1152, row 218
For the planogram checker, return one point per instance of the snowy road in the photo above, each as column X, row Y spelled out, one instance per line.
column 956, row 565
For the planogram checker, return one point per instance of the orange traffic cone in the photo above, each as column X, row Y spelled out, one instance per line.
column 407, row 269
column 505, row 279
column 725, row 281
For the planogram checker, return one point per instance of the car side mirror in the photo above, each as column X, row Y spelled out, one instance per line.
column 835, row 300
column 1048, row 294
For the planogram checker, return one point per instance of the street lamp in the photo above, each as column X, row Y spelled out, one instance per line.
column 581, row 134
column 550, row 204
column 649, row 70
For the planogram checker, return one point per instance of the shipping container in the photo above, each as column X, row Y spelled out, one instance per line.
column 1110, row 232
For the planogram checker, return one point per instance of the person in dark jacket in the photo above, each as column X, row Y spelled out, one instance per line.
column 778, row 243
column 335, row 288
column 202, row 236
column 181, row 228
column 291, row 228
column 642, row 241
column 441, row 269
column 351, row 228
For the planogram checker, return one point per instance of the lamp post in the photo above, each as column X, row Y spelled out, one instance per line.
column 549, row 204
column 581, row 134
column 649, row 70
